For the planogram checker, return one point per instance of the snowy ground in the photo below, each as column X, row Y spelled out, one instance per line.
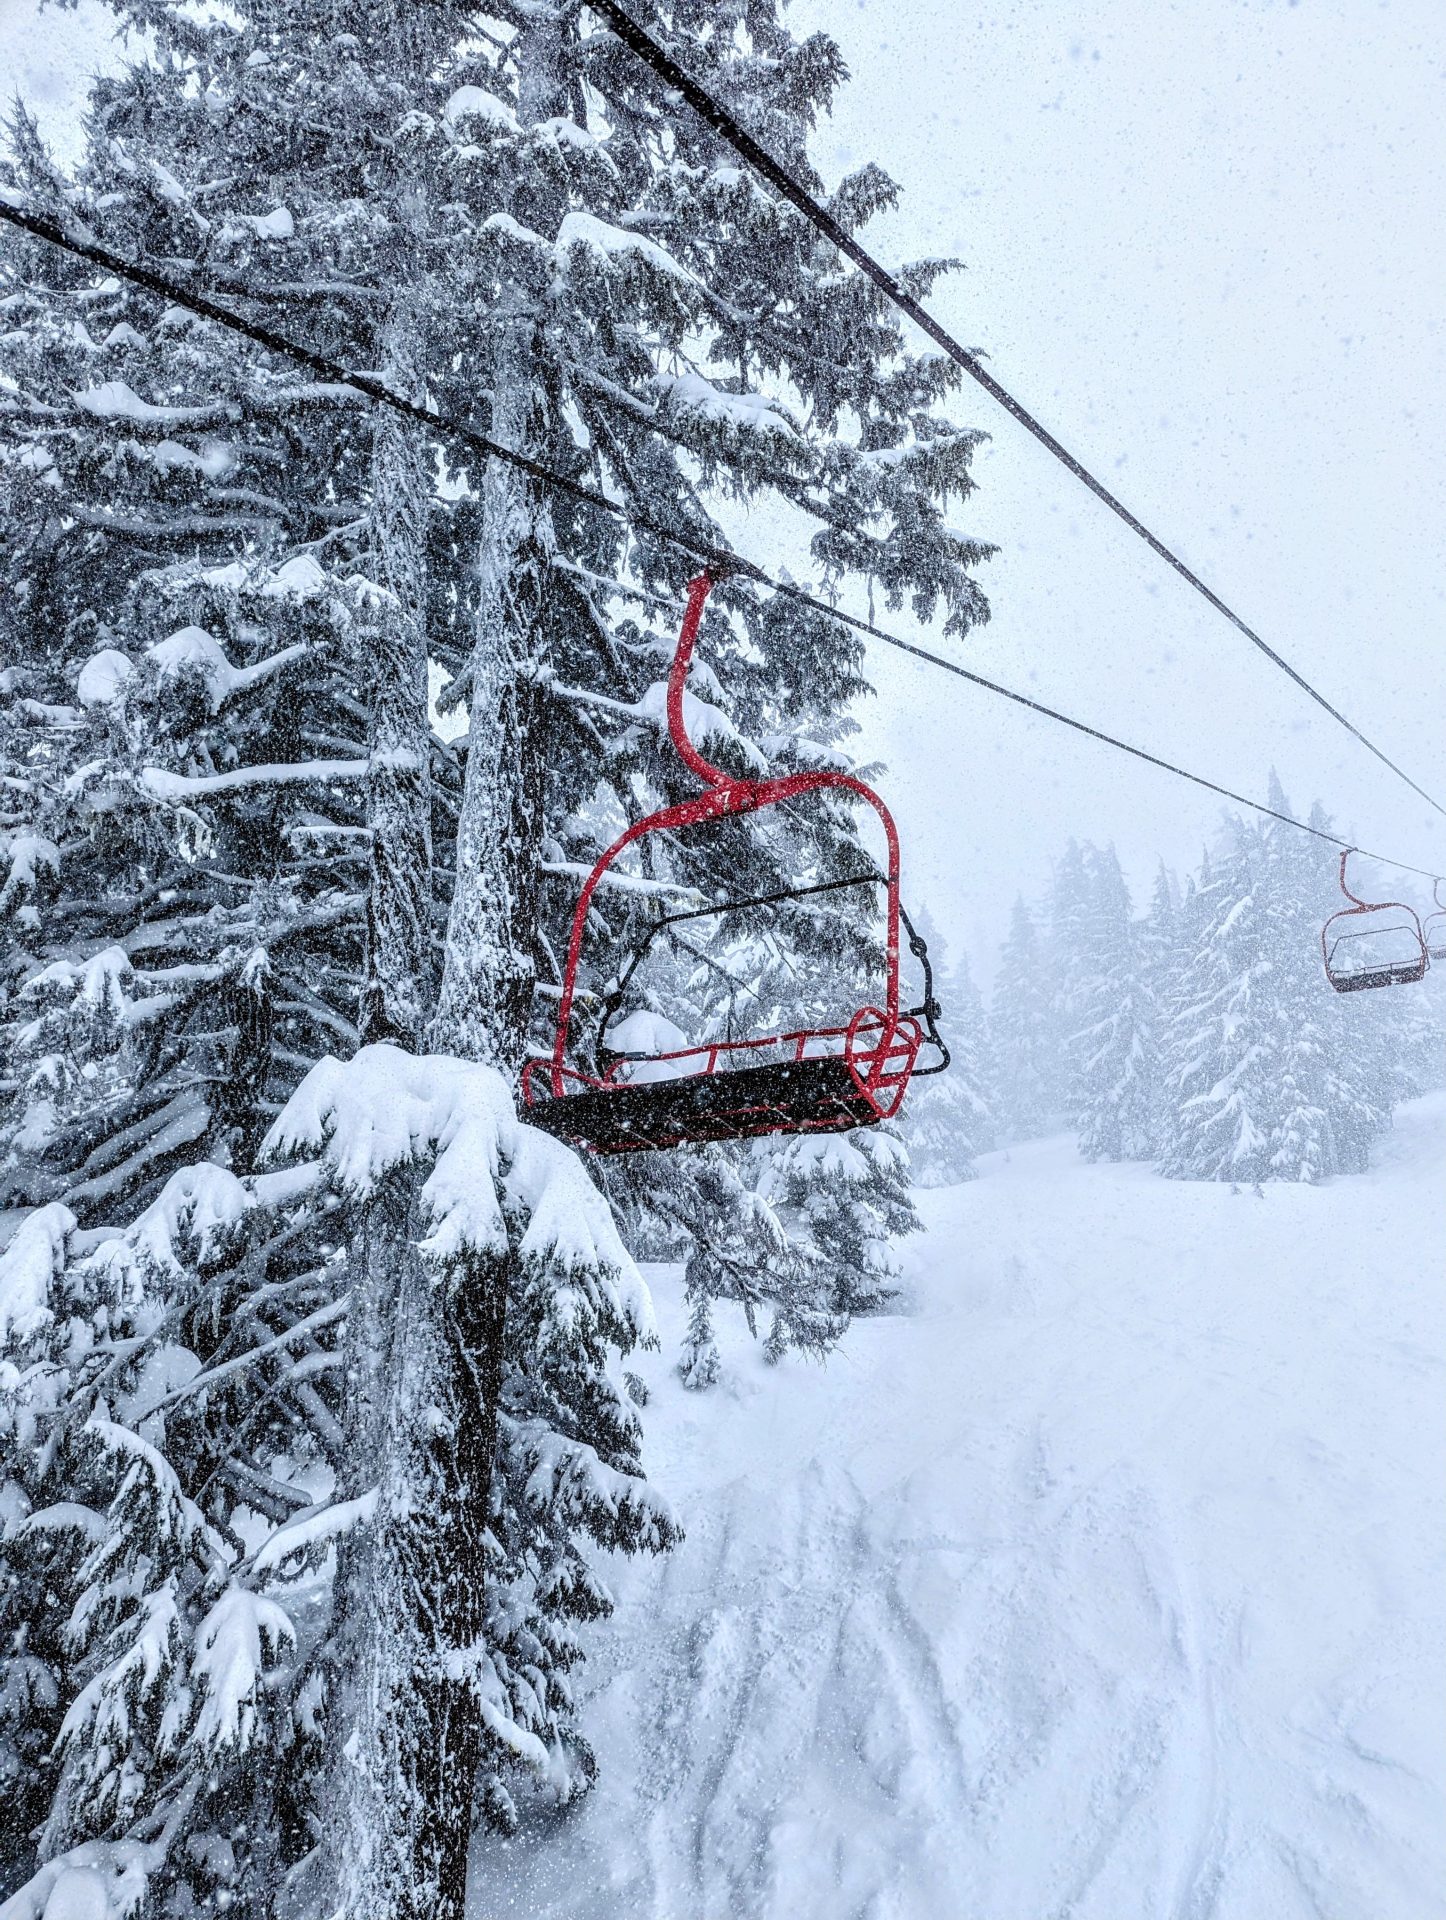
column 1108, row 1581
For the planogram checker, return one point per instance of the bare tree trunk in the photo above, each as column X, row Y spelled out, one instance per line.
column 453, row 1590
column 388, row 1799
column 489, row 970
column 425, row 1352
column 484, row 1005
column 398, row 962
column 489, row 967
column 423, row 1420
column 485, row 1010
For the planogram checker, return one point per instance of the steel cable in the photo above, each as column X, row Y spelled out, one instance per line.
column 717, row 116
column 724, row 560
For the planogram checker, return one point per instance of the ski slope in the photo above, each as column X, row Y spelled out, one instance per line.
column 1105, row 1581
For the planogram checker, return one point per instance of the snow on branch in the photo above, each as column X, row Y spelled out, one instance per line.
column 316, row 1527
column 304, row 1330
column 114, row 400
column 101, row 1880
column 99, row 988
column 192, row 650
column 103, row 1705
column 28, row 1270
column 701, row 720
column 275, row 225
column 24, row 851
column 144, row 1469
column 200, row 1207
column 690, row 393
column 475, row 103
column 580, row 229
column 229, row 1664
column 385, row 1108
column 162, row 784
column 627, row 882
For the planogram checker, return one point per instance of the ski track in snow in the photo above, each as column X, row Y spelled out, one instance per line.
column 1104, row 1581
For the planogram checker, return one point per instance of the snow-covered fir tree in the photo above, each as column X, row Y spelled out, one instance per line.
column 220, row 871
column 1218, row 1041
column 182, row 1463
column 1067, row 920
column 207, row 626
column 181, row 659
column 1327, row 1110
column 229, row 856
column 1113, row 1047
column 1157, row 946
column 1026, row 1032
column 1156, row 933
column 1268, row 1074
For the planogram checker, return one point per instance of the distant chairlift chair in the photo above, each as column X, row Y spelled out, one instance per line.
column 808, row 1080
column 1372, row 943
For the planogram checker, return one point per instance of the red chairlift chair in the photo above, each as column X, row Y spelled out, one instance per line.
column 1433, row 931
column 1372, row 943
column 807, row 1080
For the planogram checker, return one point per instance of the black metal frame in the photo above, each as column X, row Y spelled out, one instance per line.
column 927, row 1011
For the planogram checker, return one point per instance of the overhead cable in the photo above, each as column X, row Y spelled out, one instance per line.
column 722, row 121
column 724, row 559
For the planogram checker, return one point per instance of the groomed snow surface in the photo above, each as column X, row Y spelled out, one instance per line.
column 1105, row 1581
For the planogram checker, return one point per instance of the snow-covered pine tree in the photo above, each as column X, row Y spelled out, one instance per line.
column 233, row 151
column 1333, row 1053
column 1026, row 1038
column 179, row 1469
column 1156, row 932
column 843, row 1203
column 215, row 654
column 1070, row 907
column 166, row 644
column 1270, row 1076
column 1157, row 942
column 1113, row 1049
column 180, row 659
column 333, row 583
column 951, row 1118
column 1218, row 1040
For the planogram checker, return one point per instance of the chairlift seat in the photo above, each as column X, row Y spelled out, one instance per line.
column 1399, row 973
column 858, row 1082
column 791, row 1096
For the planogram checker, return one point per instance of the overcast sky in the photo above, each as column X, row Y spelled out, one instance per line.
column 1204, row 243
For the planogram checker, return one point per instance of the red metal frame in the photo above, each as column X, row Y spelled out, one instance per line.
column 878, row 1045
column 1392, row 973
